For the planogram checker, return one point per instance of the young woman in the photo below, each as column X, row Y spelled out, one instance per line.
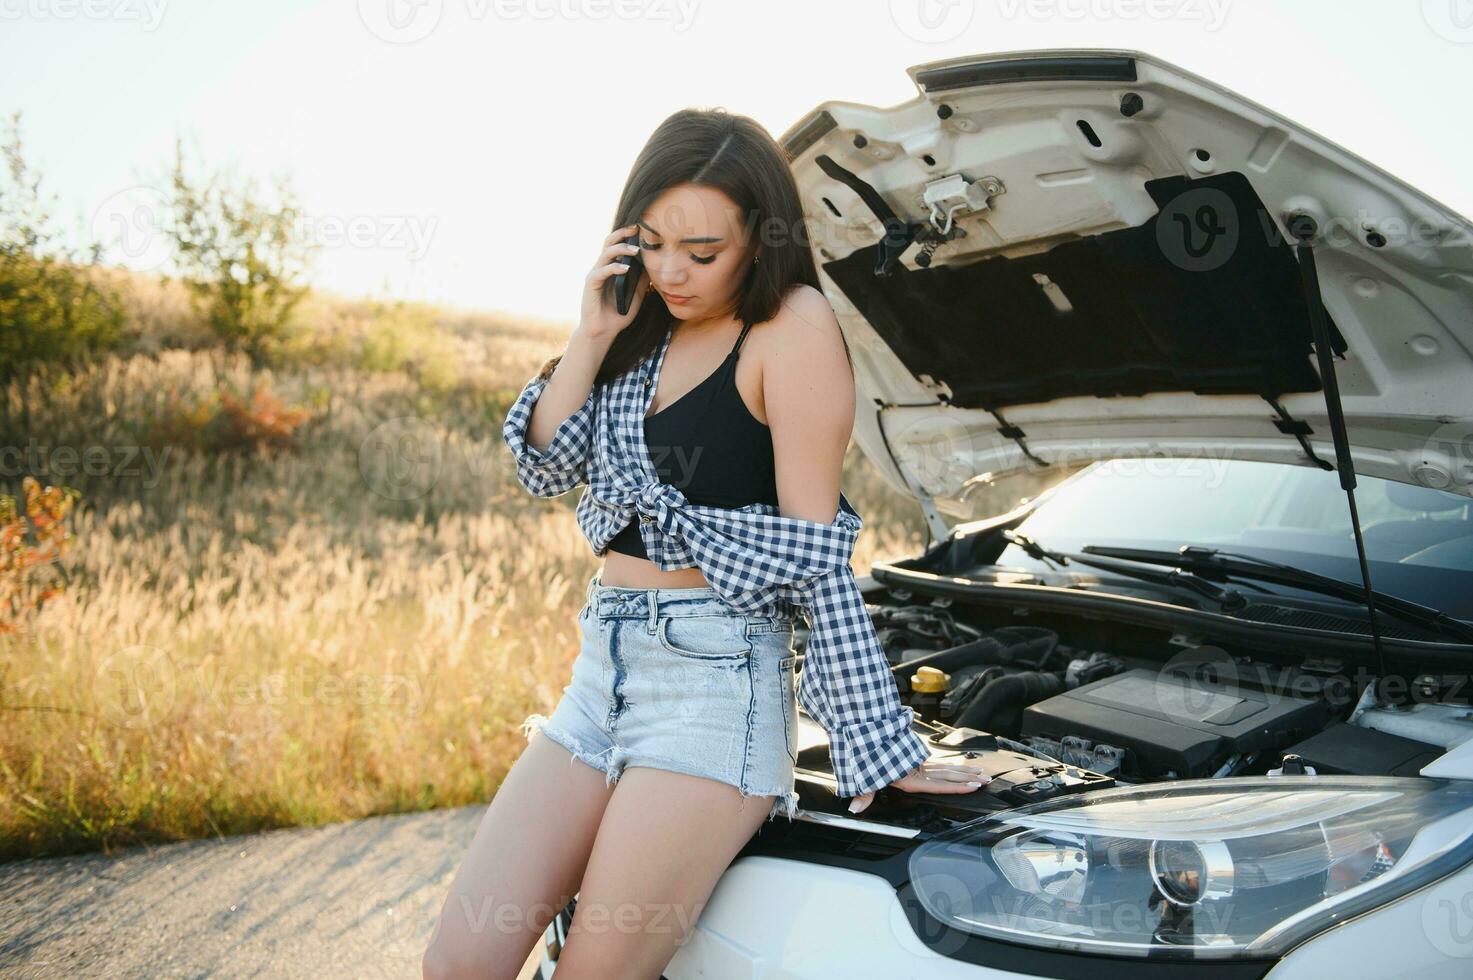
column 710, row 424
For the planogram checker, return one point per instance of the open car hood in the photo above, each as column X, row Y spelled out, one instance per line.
column 1109, row 273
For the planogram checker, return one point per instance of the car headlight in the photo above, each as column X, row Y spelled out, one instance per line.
column 1195, row 868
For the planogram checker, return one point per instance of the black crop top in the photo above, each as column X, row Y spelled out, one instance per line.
column 709, row 445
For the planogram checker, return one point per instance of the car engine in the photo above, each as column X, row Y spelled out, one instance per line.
column 1085, row 703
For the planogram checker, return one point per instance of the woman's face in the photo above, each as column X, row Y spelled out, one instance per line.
column 695, row 248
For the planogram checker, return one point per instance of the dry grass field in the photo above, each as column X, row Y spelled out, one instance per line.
column 348, row 624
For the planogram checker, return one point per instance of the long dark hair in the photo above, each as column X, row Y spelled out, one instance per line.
column 735, row 155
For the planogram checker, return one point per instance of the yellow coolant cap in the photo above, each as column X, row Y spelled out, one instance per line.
column 929, row 680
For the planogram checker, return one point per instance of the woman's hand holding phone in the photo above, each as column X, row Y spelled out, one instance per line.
column 602, row 320
column 572, row 373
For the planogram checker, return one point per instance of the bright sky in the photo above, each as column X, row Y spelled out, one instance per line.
column 471, row 152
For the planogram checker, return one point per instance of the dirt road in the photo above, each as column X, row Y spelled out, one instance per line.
column 348, row 900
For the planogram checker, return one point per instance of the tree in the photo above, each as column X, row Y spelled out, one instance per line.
column 51, row 306
column 240, row 255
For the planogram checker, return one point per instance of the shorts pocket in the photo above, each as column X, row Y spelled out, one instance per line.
column 705, row 637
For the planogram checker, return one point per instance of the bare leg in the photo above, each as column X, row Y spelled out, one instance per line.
column 665, row 840
column 523, row 865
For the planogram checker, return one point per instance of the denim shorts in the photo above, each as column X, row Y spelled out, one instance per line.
column 678, row 679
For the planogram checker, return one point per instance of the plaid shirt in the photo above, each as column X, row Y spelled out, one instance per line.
column 759, row 562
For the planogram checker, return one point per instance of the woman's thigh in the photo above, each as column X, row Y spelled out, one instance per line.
column 665, row 840
column 523, row 865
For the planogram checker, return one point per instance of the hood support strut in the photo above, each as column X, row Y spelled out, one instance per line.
column 1304, row 228
column 936, row 527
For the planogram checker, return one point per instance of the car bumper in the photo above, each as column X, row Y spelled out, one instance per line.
column 775, row 917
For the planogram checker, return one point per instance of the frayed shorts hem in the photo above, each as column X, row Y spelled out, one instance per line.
column 613, row 760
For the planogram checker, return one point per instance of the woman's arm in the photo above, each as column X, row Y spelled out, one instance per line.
column 846, row 684
column 549, row 427
column 808, row 391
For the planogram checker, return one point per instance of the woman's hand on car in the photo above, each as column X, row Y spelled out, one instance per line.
column 599, row 318
column 932, row 777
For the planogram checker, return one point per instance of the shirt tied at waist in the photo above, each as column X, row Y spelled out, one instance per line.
column 749, row 555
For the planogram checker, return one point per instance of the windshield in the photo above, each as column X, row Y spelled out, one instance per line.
column 1419, row 541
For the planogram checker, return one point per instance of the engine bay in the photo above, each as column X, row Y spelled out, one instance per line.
column 1052, row 703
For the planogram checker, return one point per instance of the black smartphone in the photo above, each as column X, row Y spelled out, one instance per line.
column 624, row 282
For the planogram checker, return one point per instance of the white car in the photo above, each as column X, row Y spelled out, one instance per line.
column 1216, row 753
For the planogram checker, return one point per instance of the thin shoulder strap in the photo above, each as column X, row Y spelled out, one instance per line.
column 745, row 328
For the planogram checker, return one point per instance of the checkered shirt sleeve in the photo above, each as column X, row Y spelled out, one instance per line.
column 564, row 464
column 847, row 687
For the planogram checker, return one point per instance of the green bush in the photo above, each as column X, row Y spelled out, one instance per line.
column 51, row 307
column 240, row 255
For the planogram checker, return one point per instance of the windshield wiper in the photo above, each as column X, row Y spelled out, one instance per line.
column 1201, row 558
column 1230, row 600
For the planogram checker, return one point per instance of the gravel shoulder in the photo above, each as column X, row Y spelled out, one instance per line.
column 356, row 899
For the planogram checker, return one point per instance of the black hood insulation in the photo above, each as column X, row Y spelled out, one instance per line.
column 1224, row 313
